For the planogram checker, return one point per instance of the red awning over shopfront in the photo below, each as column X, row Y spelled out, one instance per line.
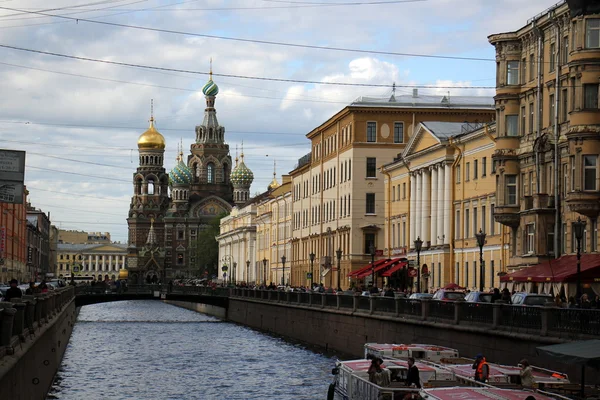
column 379, row 267
column 395, row 268
column 563, row 269
column 368, row 267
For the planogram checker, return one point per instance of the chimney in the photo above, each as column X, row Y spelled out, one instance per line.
column 415, row 92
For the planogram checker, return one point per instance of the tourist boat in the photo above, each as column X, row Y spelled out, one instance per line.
column 418, row 351
column 484, row 393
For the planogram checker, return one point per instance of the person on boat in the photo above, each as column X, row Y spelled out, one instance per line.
column 482, row 369
column 412, row 376
column 378, row 374
column 526, row 374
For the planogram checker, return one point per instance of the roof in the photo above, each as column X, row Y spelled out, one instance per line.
column 424, row 101
column 444, row 130
column 78, row 247
column 563, row 269
column 582, row 352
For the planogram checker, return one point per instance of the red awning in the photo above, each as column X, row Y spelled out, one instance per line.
column 378, row 268
column 366, row 268
column 563, row 269
column 395, row 268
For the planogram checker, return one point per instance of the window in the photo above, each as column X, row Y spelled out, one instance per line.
column 483, row 167
column 531, row 184
column 475, row 168
column 457, row 225
column 370, row 208
column 590, row 172
column 523, row 70
column 180, row 235
column 594, row 235
column 564, row 109
column 592, row 33
column 523, row 119
column 511, row 190
column 483, row 219
column 529, row 238
column 468, row 172
column 550, row 239
column 371, row 132
column 572, row 160
column 531, row 117
column 531, row 67
column 512, row 127
column 393, row 193
column 564, row 55
column 369, row 241
column 404, row 190
column 467, row 224
column 552, row 110
column 492, row 273
column 179, row 259
column 512, row 73
column 590, row 96
column 398, row 132
column 458, row 174
column 563, row 243
column 467, row 273
column 552, row 57
column 371, row 167
column 475, row 222
column 210, row 170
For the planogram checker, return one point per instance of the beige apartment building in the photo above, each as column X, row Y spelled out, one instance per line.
column 81, row 237
column 441, row 189
column 548, row 74
column 338, row 193
column 90, row 261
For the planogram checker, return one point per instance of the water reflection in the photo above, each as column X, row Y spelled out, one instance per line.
column 151, row 350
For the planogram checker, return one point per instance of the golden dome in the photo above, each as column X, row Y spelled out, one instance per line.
column 123, row 274
column 151, row 139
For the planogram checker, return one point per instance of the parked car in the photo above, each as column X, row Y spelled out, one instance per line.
column 478, row 297
column 420, row 296
column 448, row 295
column 531, row 299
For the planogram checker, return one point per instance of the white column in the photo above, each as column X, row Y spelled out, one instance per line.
column 96, row 263
column 418, row 206
column 447, row 203
column 104, row 263
column 442, row 209
column 434, row 205
column 426, row 208
column 89, row 264
column 413, row 209
column 110, row 262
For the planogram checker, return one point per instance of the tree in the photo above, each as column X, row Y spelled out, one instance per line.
column 208, row 247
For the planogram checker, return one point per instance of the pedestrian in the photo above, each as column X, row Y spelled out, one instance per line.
column 31, row 289
column 13, row 292
column 412, row 376
column 526, row 374
column 389, row 292
column 496, row 295
column 506, row 296
column 558, row 301
column 482, row 369
column 585, row 302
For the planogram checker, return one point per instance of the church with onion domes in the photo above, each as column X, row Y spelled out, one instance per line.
column 169, row 210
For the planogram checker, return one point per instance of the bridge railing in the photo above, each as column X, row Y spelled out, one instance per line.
column 543, row 321
column 20, row 318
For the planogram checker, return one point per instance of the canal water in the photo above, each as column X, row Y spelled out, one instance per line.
column 152, row 350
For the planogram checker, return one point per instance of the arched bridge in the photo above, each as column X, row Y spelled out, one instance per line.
column 86, row 295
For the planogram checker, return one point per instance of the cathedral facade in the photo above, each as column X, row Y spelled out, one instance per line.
column 168, row 210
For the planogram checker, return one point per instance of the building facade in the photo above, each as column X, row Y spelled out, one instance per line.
column 81, row 237
column 441, row 189
column 546, row 156
column 202, row 185
column 91, row 261
column 13, row 241
column 337, row 190
column 38, row 243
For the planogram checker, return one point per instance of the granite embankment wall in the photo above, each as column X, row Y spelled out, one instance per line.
column 347, row 332
column 208, row 309
column 34, row 334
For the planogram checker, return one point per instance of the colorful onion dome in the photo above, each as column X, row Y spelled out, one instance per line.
column 151, row 139
column 241, row 175
column 181, row 174
column 210, row 88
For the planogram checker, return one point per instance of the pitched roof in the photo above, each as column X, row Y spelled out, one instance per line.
column 424, row 101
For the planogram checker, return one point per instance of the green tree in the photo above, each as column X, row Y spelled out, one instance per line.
column 208, row 247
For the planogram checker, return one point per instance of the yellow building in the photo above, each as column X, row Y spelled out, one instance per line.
column 273, row 227
column 441, row 190
column 91, row 261
column 548, row 75
column 337, row 191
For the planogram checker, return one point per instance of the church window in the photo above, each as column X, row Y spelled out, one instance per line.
column 180, row 259
column 225, row 172
column 210, row 168
column 150, row 186
column 180, row 235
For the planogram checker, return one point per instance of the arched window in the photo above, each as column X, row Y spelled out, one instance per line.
column 138, row 186
column 210, row 173
column 150, row 186
column 225, row 172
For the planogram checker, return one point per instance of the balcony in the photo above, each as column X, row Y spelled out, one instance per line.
column 506, row 148
column 508, row 215
column 584, row 203
column 539, row 203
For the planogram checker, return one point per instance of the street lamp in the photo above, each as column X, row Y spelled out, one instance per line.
column 372, row 250
column 338, row 253
column 578, row 227
column 283, row 263
column 247, row 271
column 265, row 272
column 312, row 269
column 418, row 245
column 480, row 242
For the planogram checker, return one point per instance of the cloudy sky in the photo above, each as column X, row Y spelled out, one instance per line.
column 79, row 120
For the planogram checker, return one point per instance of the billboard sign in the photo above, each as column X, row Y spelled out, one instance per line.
column 12, row 174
